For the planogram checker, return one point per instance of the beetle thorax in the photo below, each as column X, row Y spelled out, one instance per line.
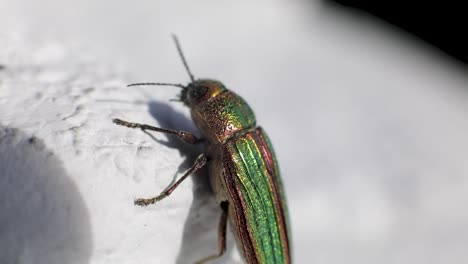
column 216, row 111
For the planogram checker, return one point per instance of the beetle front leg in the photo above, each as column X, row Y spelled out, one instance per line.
column 183, row 135
column 221, row 235
column 198, row 164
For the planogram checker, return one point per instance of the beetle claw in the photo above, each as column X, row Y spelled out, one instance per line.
column 148, row 201
column 143, row 202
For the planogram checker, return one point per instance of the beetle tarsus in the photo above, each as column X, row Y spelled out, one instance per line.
column 146, row 202
column 199, row 163
column 182, row 135
column 121, row 122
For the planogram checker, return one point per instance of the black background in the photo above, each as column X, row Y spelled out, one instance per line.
column 442, row 24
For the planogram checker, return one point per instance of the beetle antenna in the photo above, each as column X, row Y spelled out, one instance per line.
column 181, row 54
column 160, row 84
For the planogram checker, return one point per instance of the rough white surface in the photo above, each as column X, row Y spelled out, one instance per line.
column 69, row 176
column 370, row 129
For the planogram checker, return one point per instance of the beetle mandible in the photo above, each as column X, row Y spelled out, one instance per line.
column 242, row 166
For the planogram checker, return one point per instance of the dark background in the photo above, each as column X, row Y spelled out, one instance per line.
column 442, row 24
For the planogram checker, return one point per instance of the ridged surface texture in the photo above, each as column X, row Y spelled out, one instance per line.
column 253, row 182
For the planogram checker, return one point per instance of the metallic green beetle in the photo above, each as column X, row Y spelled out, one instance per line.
column 243, row 170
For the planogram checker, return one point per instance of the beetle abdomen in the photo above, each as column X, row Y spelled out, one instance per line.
column 253, row 183
column 223, row 115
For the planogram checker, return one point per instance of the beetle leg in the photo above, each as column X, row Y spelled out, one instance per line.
column 221, row 235
column 199, row 163
column 183, row 135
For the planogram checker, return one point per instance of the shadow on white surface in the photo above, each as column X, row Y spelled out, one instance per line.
column 204, row 213
column 43, row 217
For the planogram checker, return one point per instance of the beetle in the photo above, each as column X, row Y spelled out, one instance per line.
column 242, row 168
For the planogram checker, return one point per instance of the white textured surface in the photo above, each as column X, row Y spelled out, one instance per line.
column 69, row 176
column 370, row 130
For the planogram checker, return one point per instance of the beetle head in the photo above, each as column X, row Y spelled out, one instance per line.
column 200, row 90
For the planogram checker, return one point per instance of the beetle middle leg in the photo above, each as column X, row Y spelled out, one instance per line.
column 183, row 135
column 221, row 235
column 198, row 164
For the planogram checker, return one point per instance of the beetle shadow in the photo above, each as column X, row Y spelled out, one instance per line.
column 43, row 217
column 199, row 238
